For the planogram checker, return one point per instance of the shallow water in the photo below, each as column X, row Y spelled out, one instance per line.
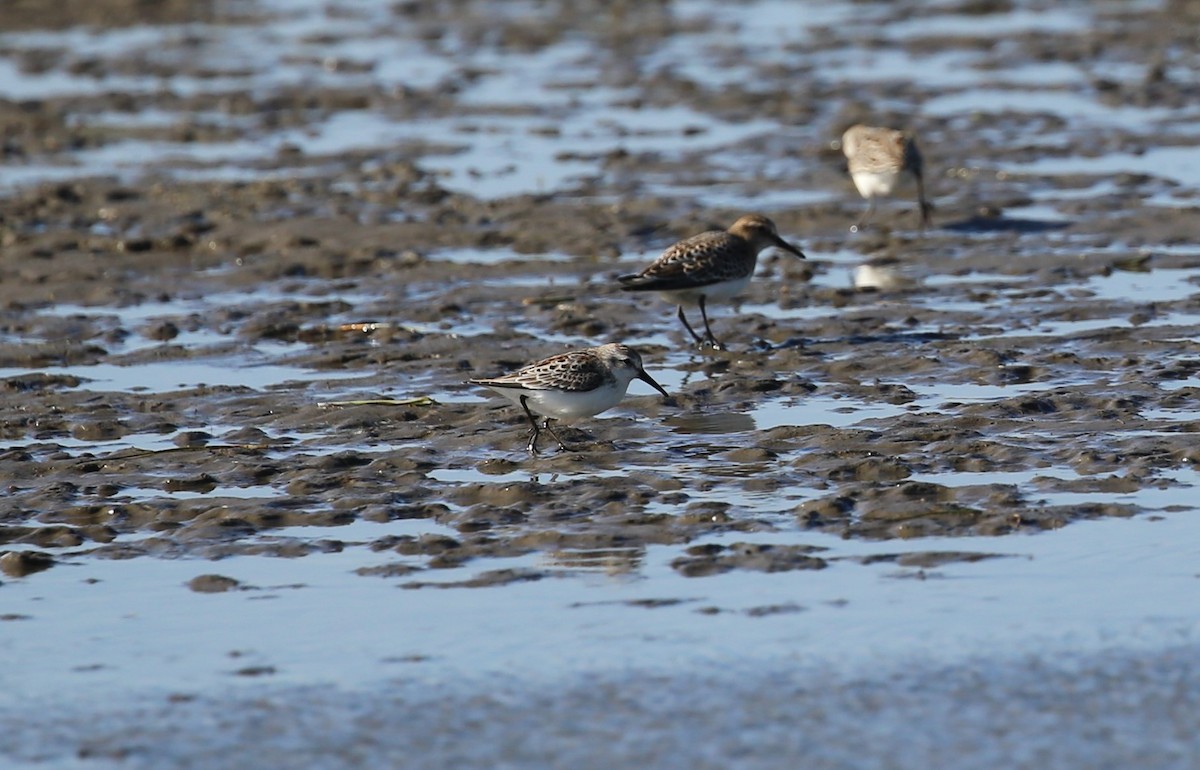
column 592, row 622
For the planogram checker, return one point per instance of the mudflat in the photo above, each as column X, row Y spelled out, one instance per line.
column 234, row 303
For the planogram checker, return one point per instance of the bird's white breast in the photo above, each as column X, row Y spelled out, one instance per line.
column 714, row 291
column 872, row 183
column 567, row 404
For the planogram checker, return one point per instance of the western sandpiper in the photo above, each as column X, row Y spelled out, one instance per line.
column 878, row 159
column 713, row 265
column 578, row 383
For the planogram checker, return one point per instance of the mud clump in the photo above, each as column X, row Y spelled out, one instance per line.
column 714, row 559
column 19, row 564
column 213, row 584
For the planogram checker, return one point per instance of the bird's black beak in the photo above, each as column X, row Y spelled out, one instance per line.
column 781, row 243
column 650, row 381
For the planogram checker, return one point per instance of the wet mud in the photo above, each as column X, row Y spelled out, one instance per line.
column 1006, row 344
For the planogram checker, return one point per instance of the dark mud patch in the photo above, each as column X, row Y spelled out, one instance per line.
column 649, row 604
column 928, row 559
column 486, row 579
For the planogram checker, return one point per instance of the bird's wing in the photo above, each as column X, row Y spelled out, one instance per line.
column 575, row 370
column 690, row 263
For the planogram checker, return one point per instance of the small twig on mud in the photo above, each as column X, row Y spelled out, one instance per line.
column 548, row 301
column 418, row 401
column 134, row 454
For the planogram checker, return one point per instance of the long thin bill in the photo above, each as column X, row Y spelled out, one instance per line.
column 650, row 381
column 781, row 243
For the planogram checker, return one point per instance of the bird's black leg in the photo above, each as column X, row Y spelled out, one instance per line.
column 533, row 435
column 708, row 335
column 926, row 206
column 862, row 221
column 688, row 326
column 561, row 444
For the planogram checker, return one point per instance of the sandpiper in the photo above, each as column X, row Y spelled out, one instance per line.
column 878, row 159
column 713, row 265
column 578, row 383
